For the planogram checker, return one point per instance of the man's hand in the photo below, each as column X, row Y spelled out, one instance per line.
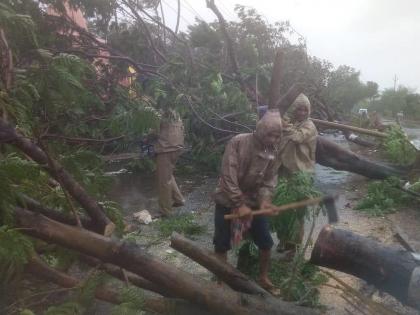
column 244, row 212
column 267, row 205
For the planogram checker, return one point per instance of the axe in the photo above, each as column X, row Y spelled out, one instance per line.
column 328, row 201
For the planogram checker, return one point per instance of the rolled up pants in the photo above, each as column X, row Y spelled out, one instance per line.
column 168, row 191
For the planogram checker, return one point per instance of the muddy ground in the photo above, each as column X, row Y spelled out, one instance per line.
column 349, row 187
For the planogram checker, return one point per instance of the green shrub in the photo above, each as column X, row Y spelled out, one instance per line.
column 398, row 148
column 383, row 197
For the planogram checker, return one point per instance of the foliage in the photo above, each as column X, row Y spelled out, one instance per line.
column 16, row 174
column 297, row 187
column 344, row 89
column 398, row 148
column 307, row 278
column 15, row 250
column 132, row 302
column 402, row 99
column 81, row 297
column 297, row 279
column 383, row 197
column 183, row 224
column 67, row 308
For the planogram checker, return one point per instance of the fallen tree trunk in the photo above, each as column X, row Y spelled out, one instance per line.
column 34, row 206
column 132, row 258
column 123, row 275
column 338, row 126
column 357, row 140
column 390, row 269
column 333, row 155
column 224, row 271
column 8, row 134
column 41, row 270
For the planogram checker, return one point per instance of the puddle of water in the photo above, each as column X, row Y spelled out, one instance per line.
column 327, row 179
column 137, row 191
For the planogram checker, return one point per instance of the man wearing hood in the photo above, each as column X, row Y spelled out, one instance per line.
column 248, row 177
column 298, row 155
column 300, row 138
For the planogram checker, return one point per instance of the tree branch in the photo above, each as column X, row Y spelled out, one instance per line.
column 146, row 30
column 95, row 211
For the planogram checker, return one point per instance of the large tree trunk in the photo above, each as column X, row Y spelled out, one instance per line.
column 41, row 270
column 224, row 271
column 123, row 275
column 388, row 268
column 333, row 155
column 34, row 206
column 132, row 258
column 8, row 134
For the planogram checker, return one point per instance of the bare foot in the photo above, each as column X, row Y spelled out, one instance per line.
column 266, row 284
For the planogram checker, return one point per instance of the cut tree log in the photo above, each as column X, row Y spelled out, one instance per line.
column 8, row 134
column 333, row 155
column 224, row 271
column 133, row 258
column 123, row 275
column 389, row 269
column 357, row 140
column 34, row 206
column 333, row 125
column 41, row 270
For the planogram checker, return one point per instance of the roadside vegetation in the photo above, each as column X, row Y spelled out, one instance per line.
column 64, row 88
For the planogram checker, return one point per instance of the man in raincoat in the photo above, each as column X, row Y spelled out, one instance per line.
column 168, row 149
column 298, row 155
column 248, row 177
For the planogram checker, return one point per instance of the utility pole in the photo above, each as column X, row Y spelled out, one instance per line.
column 395, row 83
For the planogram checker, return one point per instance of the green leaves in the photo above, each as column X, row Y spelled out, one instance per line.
column 383, row 197
column 132, row 302
column 398, row 148
column 15, row 250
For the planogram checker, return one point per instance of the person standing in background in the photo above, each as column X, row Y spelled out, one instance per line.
column 169, row 147
column 298, row 155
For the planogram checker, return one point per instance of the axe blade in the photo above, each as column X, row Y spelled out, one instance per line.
column 332, row 214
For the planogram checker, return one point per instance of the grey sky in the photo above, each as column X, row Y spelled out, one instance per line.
column 378, row 37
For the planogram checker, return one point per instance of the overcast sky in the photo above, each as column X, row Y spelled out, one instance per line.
column 380, row 38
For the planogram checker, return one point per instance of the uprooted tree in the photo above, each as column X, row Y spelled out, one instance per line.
column 67, row 96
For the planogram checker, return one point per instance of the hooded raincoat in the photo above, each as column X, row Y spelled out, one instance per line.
column 299, row 140
column 249, row 168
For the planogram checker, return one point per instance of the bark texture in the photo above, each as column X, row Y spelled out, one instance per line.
column 224, row 271
column 388, row 268
column 333, row 155
column 132, row 258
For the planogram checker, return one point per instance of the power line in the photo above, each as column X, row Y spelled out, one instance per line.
column 227, row 11
column 196, row 13
column 176, row 11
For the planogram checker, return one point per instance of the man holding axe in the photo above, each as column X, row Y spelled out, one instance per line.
column 247, row 180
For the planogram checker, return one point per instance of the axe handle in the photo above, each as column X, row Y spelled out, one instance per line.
column 293, row 205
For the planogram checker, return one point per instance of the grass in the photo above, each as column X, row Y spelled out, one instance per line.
column 183, row 224
column 383, row 197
